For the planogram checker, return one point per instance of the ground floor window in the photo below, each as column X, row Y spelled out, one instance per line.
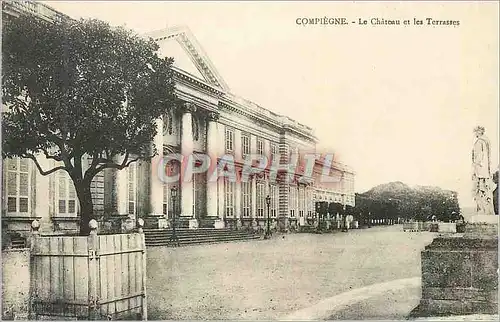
column 132, row 188
column 261, row 196
column 302, row 201
column 229, row 198
column 246, row 199
column 273, row 193
column 66, row 194
column 292, row 201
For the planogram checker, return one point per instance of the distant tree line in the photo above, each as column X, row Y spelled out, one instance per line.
column 397, row 200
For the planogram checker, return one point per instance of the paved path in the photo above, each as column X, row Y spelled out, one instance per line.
column 276, row 278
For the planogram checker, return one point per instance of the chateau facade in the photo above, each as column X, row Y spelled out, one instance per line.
column 210, row 121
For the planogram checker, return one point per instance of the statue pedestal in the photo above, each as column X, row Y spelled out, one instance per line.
column 460, row 274
column 193, row 224
column 219, row 224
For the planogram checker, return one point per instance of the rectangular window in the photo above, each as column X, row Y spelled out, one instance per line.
column 246, row 199
column 132, row 188
column 274, row 149
column 273, row 193
column 260, row 146
column 245, row 144
column 66, row 194
column 229, row 197
column 292, row 201
column 309, row 203
column 18, row 185
column 302, row 200
column 229, row 140
column 261, row 196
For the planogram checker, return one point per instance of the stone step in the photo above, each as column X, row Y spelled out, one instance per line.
column 179, row 233
column 166, row 238
column 200, row 241
column 161, row 237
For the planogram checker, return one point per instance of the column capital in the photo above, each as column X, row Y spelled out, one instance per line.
column 213, row 116
column 189, row 107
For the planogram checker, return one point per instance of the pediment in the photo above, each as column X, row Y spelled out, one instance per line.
column 180, row 43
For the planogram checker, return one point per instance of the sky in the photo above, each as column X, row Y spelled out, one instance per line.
column 395, row 103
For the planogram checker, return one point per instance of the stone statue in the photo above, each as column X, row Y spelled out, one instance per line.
column 483, row 185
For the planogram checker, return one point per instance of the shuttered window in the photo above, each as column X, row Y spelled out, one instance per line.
column 229, row 197
column 66, row 194
column 261, row 196
column 229, row 140
column 246, row 199
column 132, row 188
column 273, row 193
column 292, row 201
column 18, row 185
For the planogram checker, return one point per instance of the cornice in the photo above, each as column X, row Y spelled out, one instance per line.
column 194, row 50
column 194, row 82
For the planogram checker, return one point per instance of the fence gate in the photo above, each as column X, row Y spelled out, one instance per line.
column 99, row 277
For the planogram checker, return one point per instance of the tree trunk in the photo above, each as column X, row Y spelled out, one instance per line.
column 86, row 206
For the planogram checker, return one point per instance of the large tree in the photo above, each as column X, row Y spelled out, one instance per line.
column 81, row 90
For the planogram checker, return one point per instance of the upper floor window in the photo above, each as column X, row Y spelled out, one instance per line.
column 245, row 144
column 260, row 146
column 18, row 187
column 229, row 140
column 274, row 148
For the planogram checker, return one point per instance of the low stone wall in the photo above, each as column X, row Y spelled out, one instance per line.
column 447, row 227
column 459, row 276
column 15, row 284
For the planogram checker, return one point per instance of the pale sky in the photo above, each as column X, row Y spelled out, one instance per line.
column 396, row 103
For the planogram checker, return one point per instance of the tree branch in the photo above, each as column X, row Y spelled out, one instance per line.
column 42, row 172
column 53, row 157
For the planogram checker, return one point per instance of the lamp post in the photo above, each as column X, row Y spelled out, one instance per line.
column 174, row 239
column 268, row 232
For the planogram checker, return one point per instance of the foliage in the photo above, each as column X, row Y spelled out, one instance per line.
column 396, row 199
column 83, row 94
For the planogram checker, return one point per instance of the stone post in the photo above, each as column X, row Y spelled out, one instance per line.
column 187, row 197
column 155, row 184
column 213, row 152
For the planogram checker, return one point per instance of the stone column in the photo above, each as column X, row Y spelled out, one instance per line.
column 187, row 197
column 155, row 184
column 237, row 203
column 213, row 153
column 254, row 201
column 42, row 191
column 121, row 189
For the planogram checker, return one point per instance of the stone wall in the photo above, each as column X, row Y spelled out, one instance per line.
column 15, row 284
column 459, row 276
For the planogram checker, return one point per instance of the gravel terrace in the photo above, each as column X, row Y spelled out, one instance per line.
column 269, row 279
